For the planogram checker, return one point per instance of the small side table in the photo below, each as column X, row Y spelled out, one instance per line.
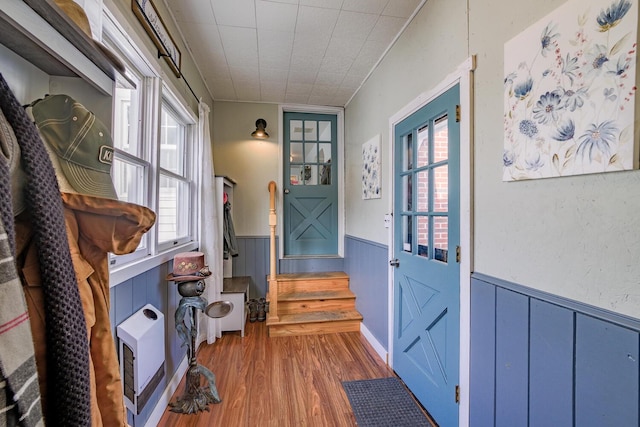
column 236, row 290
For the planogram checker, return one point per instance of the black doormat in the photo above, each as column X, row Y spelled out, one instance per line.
column 384, row 402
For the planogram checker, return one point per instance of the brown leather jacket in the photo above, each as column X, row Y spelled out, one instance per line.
column 95, row 226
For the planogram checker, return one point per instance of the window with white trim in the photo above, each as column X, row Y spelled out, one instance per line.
column 174, row 200
column 154, row 136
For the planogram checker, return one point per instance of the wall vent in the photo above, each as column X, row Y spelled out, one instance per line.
column 141, row 349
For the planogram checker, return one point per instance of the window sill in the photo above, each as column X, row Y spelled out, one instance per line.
column 128, row 271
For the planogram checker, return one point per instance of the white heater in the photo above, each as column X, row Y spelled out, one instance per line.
column 141, row 348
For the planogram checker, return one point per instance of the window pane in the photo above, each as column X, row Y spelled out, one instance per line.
column 441, row 140
column 296, row 177
column 324, row 131
column 310, row 175
column 126, row 114
column 311, row 152
column 441, row 189
column 310, row 130
column 324, row 154
column 423, row 191
column 129, row 180
column 173, row 210
column 295, row 152
column 407, row 233
column 325, row 174
column 407, row 199
column 407, row 161
column 423, row 236
column 172, row 144
column 423, row 147
column 295, row 130
column 441, row 238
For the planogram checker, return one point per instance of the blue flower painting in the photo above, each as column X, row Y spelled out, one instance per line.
column 569, row 92
column 371, row 169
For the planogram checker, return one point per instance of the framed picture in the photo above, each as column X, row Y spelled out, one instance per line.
column 153, row 24
column 371, row 169
column 569, row 92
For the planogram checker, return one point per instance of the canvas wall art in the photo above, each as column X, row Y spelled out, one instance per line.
column 569, row 92
column 371, row 169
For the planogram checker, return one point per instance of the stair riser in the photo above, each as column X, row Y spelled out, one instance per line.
column 297, row 285
column 293, row 307
column 314, row 328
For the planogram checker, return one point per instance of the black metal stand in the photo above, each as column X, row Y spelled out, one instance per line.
column 196, row 396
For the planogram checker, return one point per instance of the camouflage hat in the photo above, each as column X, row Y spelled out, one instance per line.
column 81, row 142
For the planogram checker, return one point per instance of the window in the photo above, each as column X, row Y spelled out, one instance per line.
column 154, row 144
column 175, row 186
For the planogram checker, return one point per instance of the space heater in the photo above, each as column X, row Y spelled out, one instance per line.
column 141, row 349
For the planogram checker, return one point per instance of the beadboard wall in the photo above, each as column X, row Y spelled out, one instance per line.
column 542, row 360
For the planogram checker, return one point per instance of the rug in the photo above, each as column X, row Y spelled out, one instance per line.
column 384, row 402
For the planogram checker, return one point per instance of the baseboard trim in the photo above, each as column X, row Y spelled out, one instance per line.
column 379, row 348
column 172, row 386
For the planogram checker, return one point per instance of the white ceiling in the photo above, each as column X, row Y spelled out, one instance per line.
column 314, row 52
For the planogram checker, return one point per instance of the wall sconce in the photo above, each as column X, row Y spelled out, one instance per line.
column 260, row 132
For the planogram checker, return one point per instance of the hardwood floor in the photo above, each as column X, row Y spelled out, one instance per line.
column 282, row 381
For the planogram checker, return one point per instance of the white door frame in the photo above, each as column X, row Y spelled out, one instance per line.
column 464, row 77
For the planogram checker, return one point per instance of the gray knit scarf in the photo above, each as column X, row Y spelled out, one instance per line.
column 69, row 401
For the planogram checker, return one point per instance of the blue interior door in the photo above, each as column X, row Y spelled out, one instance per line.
column 426, row 236
column 311, row 188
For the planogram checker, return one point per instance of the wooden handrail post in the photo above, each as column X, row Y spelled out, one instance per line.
column 273, row 283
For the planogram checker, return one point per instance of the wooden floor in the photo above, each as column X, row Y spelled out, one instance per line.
column 282, row 381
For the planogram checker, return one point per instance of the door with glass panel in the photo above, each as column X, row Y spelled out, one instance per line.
column 310, row 194
column 427, row 275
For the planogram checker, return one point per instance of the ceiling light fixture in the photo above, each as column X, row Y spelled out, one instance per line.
column 260, row 132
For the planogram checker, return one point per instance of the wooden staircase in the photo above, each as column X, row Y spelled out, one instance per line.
column 307, row 303
column 312, row 303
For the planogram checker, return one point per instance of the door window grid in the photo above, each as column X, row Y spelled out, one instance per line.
column 431, row 192
column 309, row 156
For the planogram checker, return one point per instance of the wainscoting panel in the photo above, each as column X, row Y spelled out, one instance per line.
column 150, row 287
column 606, row 374
column 512, row 348
column 551, row 364
column 541, row 360
column 483, row 352
column 367, row 264
column 253, row 260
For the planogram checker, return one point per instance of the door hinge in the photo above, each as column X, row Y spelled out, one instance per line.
column 457, row 394
column 458, row 255
column 457, row 114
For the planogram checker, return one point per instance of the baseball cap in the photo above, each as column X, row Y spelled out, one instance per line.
column 81, row 142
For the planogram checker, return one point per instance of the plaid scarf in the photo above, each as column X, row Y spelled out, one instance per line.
column 69, row 403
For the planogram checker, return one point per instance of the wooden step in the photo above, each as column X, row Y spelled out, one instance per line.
column 312, row 300
column 293, row 282
column 316, row 322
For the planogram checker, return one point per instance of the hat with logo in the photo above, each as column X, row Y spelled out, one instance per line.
column 81, row 143
column 188, row 266
column 10, row 155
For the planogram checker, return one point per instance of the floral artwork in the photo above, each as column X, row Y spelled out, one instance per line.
column 371, row 169
column 569, row 92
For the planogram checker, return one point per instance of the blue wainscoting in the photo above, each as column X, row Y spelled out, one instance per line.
column 542, row 360
column 150, row 287
column 367, row 263
column 253, row 260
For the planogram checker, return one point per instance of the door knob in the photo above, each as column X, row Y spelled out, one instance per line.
column 394, row 263
column 286, row 191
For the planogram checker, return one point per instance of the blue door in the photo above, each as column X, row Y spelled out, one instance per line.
column 426, row 238
column 311, row 187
